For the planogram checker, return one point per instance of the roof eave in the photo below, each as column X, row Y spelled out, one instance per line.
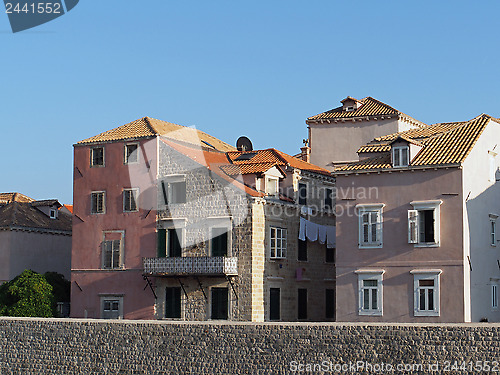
column 392, row 170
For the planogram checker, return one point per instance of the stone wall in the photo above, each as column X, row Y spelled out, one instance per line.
column 68, row 346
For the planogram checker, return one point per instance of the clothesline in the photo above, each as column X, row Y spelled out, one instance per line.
column 314, row 232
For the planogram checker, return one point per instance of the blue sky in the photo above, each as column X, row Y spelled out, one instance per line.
column 232, row 68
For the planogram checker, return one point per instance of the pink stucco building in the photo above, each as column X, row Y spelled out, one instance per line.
column 416, row 226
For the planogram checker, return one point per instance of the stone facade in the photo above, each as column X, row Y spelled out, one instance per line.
column 67, row 346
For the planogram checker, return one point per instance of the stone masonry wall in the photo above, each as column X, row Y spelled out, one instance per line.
column 70, row 346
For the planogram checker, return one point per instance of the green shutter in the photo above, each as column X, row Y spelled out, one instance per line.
column 162, row 243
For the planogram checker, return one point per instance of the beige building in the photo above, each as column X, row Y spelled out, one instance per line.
column 335, row 135
column 34, row 235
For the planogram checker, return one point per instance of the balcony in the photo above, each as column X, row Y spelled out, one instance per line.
column 191, row 266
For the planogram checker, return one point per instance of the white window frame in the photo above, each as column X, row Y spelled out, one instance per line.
column 168, row 181
column 125, row 158
column 494, row 296
column 92, row 165
column 282, row 238
column 135, row 193
column 275, row 181
column 399, row 151
column 414, row 222
column 53, row 213
column 493, row 229
column 369, row 209
column 369, row 274
column 119, row 298
column 121, row 259
column 103, row 202
column 426, row 275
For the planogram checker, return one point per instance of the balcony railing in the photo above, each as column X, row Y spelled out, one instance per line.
column 197, row 266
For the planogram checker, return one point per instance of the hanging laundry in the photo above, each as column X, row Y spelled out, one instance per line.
column 331, row 233
column 302, row 229
column 322, row 234
column 312, row 231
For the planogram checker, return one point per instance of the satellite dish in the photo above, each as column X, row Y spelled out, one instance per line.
column 244, row 144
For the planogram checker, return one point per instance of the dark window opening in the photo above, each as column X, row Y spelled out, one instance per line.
column 330, row 256
column 220, row 302
column 302, row 303
column 426, row 226
column 302, row 192
column 173, row 302
column 330, row 303
column 174, row 243
column 274, row 304
column 302, row 254
column 219, row 242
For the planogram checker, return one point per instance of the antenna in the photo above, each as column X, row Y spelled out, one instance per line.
column 244, row 144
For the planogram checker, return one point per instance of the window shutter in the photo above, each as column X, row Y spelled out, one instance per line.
column 379, row 228
column 412, row 226
column 162, row 243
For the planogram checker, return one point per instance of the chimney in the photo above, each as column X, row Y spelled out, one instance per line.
column 305, row 153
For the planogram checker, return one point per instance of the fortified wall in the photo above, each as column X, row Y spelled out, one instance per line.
column 70, row 346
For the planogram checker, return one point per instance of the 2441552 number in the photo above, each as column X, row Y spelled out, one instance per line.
column 39, row 8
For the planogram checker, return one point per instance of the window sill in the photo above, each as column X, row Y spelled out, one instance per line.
column 426, row 313
column 370, row 313
column 426, row 245
column 370, row 246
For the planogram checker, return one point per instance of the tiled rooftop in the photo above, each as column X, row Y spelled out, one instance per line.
column 442, row 144
column 14, row 197
column 369, row 107
column 148, row 127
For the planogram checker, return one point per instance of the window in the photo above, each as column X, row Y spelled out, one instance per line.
column 130, row 200
column 370, row 225
column 370, row 292
column 97, row 202
column 328, row 199
column 302, row 253
column 218, row 242
column 272, row 186
column 220, row 302
column 173, row 302
column 274, row 303
column 494, row 296
column 111, row 307
column 53, row 214
column 278, row 243
column 493, row 229
column 400, row 156
column 330, row 303
column 302, row 193
column 131, row 154
column 423, row 223
column 330, row 255
column 174, row 189
column 111, row 254
column 97, row 157
column 426, row 292
column 302, row 303
column 174, row 240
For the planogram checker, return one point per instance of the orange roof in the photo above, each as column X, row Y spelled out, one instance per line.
column 214, row 161
column 69, row 207
column 442, row 144
column 148, row 127
column 369, row 107
column 272, row 156
column 14, row 197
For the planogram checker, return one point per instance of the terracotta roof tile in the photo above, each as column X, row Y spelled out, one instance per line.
column 369, row 107
column 148, row 127
column 442, row 144
column 25, row 215
column 272, row 155
column 14, row 197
